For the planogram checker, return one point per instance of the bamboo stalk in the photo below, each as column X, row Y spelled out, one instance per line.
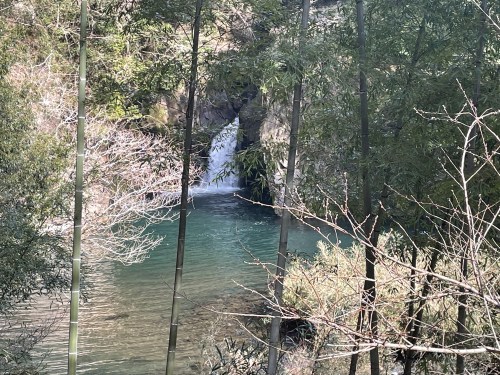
column 416, row 322
column 77, row 232
column 369, row 290
column 174, row 321
column 274, row 339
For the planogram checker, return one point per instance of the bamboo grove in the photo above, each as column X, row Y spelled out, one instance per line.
column 378, row 119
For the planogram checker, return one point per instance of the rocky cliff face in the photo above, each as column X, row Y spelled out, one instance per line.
column 274, row 137
column 215, row 109
column 268, row 126
column 252, row 115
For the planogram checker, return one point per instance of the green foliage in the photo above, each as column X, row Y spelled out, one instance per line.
column 405, row 73
column 253, row 168
column 15, row 352
column 142, row 54
column 268, row 59
column 32, row 261
column 128, row 67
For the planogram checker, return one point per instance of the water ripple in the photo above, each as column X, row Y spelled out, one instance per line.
column 124, row 326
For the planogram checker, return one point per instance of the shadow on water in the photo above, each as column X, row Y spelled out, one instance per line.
column 124, row 325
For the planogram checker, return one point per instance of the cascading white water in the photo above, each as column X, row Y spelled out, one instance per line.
column 222, row 152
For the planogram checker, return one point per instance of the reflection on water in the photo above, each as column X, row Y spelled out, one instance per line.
column 124, row 325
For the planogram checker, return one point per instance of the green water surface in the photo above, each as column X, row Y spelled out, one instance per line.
column 124, row 325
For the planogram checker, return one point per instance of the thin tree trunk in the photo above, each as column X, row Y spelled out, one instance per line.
column 411, row 306
column 425, row 292
column 377, row 227
column 77, row 220
column 469, row 170
column 174, row 322
column 369, row 289
column 416, row 323
column 274, row 340
column 411, row 310
column 384, row 194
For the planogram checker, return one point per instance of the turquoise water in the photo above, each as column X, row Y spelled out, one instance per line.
column 124, row 325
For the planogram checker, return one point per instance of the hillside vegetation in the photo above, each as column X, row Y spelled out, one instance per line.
column 427, row 182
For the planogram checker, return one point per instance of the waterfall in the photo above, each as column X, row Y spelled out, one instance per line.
column 222, row 152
